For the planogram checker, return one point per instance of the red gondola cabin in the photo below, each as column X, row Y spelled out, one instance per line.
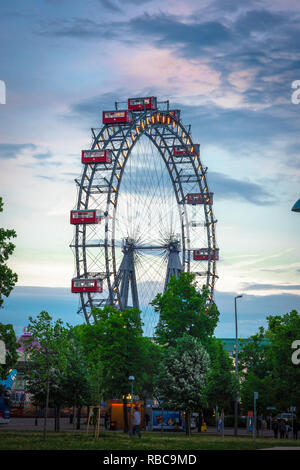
column 138, row 104
column 116, row 117
column 182, row 151
column 85, row 216
column 172, row 113
column 96, row 156
column 86, row 285
column 204, row 254
column 198, row 198
column 175, row 113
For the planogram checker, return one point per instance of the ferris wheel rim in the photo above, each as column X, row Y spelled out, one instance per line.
column 127, row 135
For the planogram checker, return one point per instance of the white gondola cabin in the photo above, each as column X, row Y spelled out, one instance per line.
column 96, row 156
column 204, row 254
column 86, row 285
column 86, row 216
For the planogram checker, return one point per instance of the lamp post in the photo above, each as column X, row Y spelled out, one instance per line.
column 131, row 380
column 236, row 367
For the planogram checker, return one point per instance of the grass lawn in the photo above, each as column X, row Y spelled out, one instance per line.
column 27, row 440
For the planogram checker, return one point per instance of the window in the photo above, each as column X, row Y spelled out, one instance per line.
column 114, row 114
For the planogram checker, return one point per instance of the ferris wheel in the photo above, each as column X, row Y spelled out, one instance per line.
column 143, row 212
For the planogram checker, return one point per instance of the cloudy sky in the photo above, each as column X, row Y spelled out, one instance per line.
column 228, row 65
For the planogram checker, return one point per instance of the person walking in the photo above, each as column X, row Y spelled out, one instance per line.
column 106, row 420
column 136, row 422
column 287, row 430
column 147, row 419
column 275, row 428
column 200, row 419
column 295, row 429
column 282, row 429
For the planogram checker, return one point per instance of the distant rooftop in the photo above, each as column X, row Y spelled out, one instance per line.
column 229, row 343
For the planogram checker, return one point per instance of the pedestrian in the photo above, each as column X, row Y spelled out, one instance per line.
column 287, row 430
column 275, row 428
column 295, row 429
column 176, row 424
column 136, row 422
column 147, row 419
column 200, row 421
column 106, row 420
column 282, row 429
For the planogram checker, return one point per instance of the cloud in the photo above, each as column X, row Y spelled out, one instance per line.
column 110, row 5
column 167, row 30
column 238, row 62
column 50, row 178
column 272, row 287
column 252, row 311
column 92, row 107
column 226, row 187
column 8, row 151
column 260, row 20
column 118, row 5
column 43, row 156
column 232, row 5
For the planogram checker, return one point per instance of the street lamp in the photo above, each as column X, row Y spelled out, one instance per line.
column 131, row 380
column 236, row 367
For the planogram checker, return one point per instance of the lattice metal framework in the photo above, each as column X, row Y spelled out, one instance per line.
column 100, row 250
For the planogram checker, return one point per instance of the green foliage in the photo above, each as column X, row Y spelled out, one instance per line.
column 47, row 359
column 88, row 338
column 8, row 335
column 115, row 341
column 8, row 278
column 267, row 364
column 222, row 384
column 181, row 310
column 116, row 349
column 266, row 388
column 77, row 386
column 151, row 358
column 253, row 354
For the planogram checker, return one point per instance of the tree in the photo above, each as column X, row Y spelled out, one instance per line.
column 151, row 358
column 116, row 340
column 222, row 386
column 7, row 277
column 88, row 338
column 8, row 335
column 77, row 382
column 47, row 359
column 282, row 331
column 266, row 360
column 182, row 376
column 182, row 309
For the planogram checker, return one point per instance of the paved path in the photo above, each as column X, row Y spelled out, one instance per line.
column 28, row 424
column 65, row 425
column 282, row 448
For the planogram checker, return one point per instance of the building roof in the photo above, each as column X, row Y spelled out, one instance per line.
column 229, row 343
